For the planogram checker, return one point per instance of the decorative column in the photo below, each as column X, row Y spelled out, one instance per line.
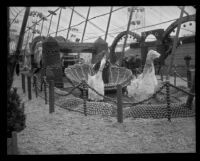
column 52, row 62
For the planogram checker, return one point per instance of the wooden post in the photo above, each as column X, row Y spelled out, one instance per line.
column 119, row 104
column 69, row 28
column 14, row 143
column 168, row 100
column 192, row 72
column 84, row 98
column 192, row 90
column 45, row 90
column 175, row 75
column 23, row 83
column 175, row 44
column 58, row 21
column 124, row 46
column 189, row 79
column 161, row 73
column 111, row 8
column 187, row 62
column 51, row 96
column 85, row 24
column 29, row 87
column 36, row 87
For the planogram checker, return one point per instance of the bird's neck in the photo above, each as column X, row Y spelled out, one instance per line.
column 99, row 74
column 149, row 67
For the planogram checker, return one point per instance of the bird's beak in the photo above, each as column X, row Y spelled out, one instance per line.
column 158, row 56
column 105, row 56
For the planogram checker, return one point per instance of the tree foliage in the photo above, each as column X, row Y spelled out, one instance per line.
column 15, row 113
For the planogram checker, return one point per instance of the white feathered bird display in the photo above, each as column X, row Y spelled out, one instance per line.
column 96, row 82
column 145, row 84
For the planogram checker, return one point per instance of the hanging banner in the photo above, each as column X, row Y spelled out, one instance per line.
column 138, row 18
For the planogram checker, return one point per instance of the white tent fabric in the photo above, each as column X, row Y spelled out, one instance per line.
column 151, row 18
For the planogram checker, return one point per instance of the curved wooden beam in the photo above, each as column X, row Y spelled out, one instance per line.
column 175, row 24
column 113, row 57
column 34, row 42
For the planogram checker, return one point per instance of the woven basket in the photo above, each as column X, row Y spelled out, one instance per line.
column 118, row 75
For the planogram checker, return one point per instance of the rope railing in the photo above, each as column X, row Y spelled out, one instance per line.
column 171, row 94
column 184, row 91
column 64, row 93
column 147, row 99
column 105, row 97
column 168, row 110
column 177, row 74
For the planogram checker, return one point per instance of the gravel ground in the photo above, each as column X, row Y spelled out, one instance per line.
column 64, row 132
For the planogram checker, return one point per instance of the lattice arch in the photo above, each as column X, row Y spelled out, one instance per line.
column 113, row 57
column 175, row 24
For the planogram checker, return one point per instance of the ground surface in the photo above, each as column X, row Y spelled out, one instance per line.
column 64, row 132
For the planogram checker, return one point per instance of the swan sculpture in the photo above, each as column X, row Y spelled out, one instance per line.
column 96, row 82
column 145, row 84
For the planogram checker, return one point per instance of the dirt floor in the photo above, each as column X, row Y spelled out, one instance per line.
column 65, row 132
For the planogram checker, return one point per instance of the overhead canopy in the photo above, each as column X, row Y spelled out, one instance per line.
column 144, row 18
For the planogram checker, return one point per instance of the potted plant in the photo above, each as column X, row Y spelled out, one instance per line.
column 15, row 118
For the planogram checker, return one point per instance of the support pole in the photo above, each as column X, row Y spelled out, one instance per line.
column 119, row 104
column 45, row 90
column 70, row 21
column 42, row 26
column 90, row 22
column 58, row 21
column 23, row 83
column 168, row 101
column 161, row 73
column 129, row 22
column 35, row 85
column 187, row 62
column 22, row 32
column 175, row 75
column 29, row 87
column 51, row 96
column 84, row 98
column 19, row 47
column 111, row 9
column 50, row 25
column 189, row 79
column 175, row 44
column 190, row 98
column 85, row 24
column 26, row 45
